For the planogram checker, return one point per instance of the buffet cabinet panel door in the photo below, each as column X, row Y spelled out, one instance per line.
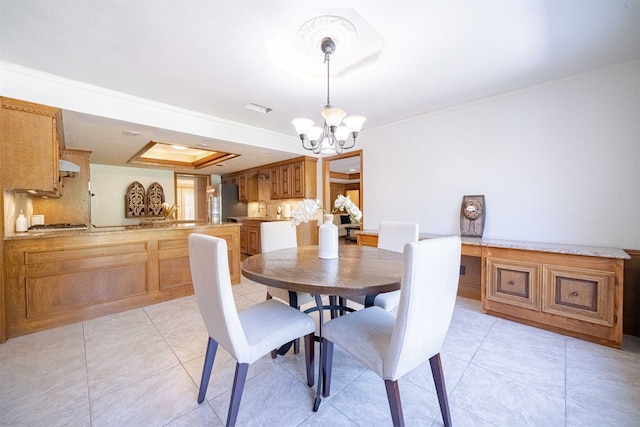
column 579, row 293
column 514, row 282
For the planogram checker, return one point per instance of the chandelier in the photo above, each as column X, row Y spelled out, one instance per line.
column 340, row 131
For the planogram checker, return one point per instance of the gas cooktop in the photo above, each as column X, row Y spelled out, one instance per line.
column 63, row 226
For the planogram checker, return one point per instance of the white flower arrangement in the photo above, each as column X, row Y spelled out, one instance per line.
column 343, row 203
column 307, row 210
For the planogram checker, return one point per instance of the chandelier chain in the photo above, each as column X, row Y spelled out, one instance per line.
column 327, row 60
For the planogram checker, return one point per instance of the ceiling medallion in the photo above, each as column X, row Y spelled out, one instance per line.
column 339, row 29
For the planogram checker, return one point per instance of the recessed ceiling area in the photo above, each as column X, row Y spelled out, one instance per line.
column 176, row 156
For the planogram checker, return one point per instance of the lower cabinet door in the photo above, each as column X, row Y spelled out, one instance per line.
column 579, row 293
column 253, row 240
column 514, row 282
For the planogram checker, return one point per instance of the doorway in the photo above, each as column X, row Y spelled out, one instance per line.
column 191, row 196
column 342, row 174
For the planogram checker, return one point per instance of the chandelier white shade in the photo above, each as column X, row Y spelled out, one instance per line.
column 339, row 131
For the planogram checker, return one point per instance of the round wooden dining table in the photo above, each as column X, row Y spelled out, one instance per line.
column 358, row 270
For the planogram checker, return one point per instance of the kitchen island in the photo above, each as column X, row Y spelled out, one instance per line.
column 57, row 278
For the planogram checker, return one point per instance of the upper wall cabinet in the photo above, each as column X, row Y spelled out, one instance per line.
column 31, row 140
column 247, row 183
column 294, row 180
column 290, row 179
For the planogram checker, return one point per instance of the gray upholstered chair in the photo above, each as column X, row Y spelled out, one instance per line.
column 392, row 236
column 276, row 235
column 392, row 346
column 247, row 335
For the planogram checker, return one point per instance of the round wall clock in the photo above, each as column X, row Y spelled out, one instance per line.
column 472, row 209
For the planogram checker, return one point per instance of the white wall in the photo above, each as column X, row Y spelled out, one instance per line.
column 109, row 184
column 556, row 163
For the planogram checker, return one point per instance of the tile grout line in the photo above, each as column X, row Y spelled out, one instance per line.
column 181, row 364
column 566, row 390
column 86, row 369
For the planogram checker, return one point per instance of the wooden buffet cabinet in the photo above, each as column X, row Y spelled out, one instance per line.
column 66, row 277
column 573, row 290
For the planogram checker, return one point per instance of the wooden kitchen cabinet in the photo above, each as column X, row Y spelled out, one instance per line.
column 253, row 237
column 250, row 237
column 31, row 141
column 57, row 280
column 243, row 239
column 306, row 234
column 275, row 181
column 281, row 182
column 248, row 187
column 247, row 183
column 231, row 180
column 298, row 179
column 571, row 294
column 294, row 179
column 289, row 179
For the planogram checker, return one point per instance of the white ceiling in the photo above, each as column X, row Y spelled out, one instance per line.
column 211, row 57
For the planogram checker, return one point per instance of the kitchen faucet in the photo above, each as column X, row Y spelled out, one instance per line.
column 266, row 207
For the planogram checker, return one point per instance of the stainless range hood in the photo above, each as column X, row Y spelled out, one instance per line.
column 68, row 169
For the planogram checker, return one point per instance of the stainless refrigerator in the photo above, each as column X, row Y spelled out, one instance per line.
column 222, row 203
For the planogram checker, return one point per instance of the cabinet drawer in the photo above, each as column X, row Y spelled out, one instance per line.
column 579, row 293
column 514, row 282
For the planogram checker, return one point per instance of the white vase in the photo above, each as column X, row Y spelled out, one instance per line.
column 328, row 239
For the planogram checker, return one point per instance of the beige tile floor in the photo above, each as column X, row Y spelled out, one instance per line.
column 142, row 368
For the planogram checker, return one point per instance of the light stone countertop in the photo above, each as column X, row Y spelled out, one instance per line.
column 92, row 230
column 560, row 248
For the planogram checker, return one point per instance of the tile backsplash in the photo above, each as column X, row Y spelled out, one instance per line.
column 13, row 203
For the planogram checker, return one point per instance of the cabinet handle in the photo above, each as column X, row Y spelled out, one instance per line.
column 575, row 294
column 511, row 282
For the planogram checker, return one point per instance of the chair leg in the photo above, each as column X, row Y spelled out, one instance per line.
column 309, row 355
column 438, row 379
column 296, row 342
column 236, row 392
column 393, row 395
column 212, row 347
column 327, row 362
column 333, row 301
